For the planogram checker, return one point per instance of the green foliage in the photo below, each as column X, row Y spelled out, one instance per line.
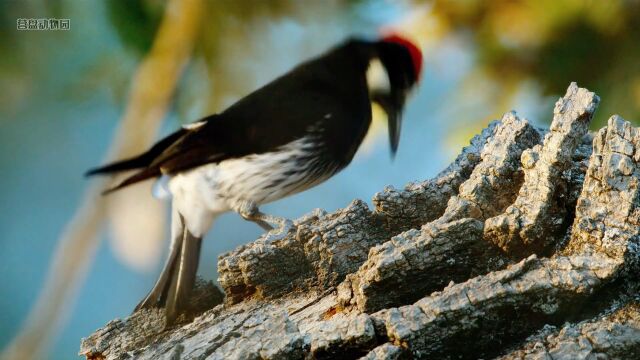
column 554, row 43
column 136, row 21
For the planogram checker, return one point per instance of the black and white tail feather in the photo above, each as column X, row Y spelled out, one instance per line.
column 173, row 288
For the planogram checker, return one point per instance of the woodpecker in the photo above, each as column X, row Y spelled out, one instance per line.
column 288, row 136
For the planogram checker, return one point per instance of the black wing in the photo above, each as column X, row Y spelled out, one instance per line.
column 274, row 115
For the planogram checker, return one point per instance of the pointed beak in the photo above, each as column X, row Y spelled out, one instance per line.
column 393, row 109
column 394, row 120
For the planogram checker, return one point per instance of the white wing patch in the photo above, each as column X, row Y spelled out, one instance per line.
column 193, row 125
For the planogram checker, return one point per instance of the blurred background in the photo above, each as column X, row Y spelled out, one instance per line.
column 125, row 74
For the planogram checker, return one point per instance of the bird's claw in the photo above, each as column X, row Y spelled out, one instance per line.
column 249, row 211
column 286, row 226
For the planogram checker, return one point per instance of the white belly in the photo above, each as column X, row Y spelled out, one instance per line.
column 263, row 178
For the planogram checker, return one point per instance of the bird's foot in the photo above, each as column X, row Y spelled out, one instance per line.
column 249, row 211
column 286, row 226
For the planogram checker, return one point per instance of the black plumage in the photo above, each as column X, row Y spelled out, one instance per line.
column 283, row 111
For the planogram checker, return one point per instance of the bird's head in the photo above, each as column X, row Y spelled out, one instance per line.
column 393, row 72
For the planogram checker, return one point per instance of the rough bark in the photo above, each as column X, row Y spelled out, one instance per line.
column 612, row 335
column 414, row 278
column 538, row 216
column 411, row 264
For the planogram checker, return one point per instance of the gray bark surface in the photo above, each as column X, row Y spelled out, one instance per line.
column 525, row 247
column 537, row 217
column 612, row 335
